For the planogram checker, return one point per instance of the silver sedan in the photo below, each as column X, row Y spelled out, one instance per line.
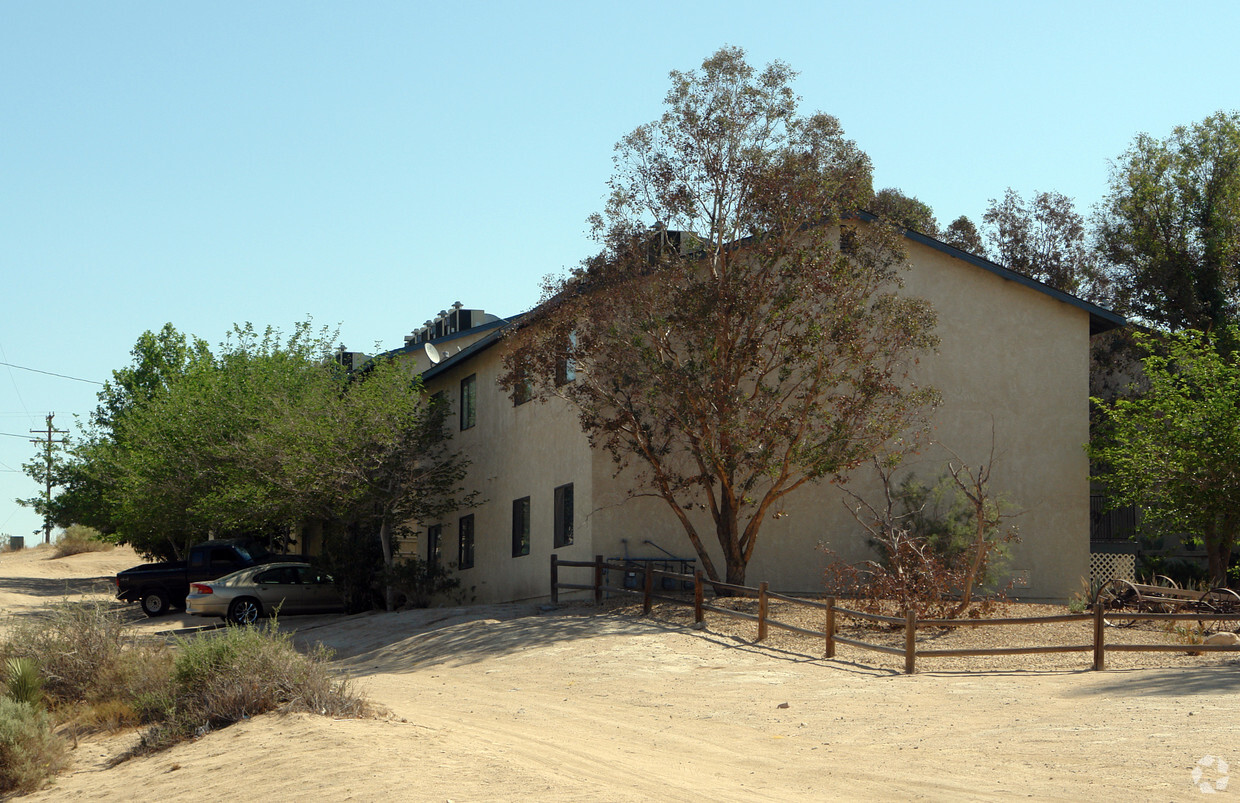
column 244, row 596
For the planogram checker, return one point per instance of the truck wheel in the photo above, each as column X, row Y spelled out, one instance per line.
column 244, row 611
column 155, row 603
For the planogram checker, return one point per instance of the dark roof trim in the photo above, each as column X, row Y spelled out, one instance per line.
column 477, row 347
column 410, row 348
column 1100, row 320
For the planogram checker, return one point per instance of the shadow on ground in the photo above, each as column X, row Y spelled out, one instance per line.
column 407, row 641
column 1175, row 682
column 57, row 586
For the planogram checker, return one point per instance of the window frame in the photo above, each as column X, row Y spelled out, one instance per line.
column 434, row 543
column 469, row 402
column 563, row 524
column 521, row 527
column 465, row 542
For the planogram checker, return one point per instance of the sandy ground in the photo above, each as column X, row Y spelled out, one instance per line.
column 515, row 702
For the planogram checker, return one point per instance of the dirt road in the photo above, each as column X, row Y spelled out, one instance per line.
column 511, row 703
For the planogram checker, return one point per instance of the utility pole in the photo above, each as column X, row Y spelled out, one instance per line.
column 47, row 440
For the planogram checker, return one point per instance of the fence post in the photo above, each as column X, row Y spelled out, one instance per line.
column 1100, row 657
column 762, row 611
column 698, row 614
column 555, row 579
column 647, row 586
column 910, row 641
column 598, row 579
column 830, row 629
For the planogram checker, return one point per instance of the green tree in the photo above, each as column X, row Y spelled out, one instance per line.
column 904, row 210
column 962, row 234
column 268, row 433
column 740, row 334
column 1045, row 239
column 82, row 466
column 1169, row 228
column 1173, row 449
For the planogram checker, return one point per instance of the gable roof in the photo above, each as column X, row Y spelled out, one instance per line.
column 1100, row 319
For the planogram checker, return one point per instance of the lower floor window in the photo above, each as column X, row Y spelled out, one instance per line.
column 434, row 534
column 563, row 515
column 465, row 546
column 521, row 527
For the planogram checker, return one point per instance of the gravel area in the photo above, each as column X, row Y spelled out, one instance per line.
column 968, row 637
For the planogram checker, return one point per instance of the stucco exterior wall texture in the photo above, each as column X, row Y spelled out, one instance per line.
column 1012, row 361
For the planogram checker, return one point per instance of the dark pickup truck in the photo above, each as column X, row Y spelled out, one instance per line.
column 160, row 586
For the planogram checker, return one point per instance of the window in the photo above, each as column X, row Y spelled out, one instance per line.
column 465, row 545
column 523, row 392
column 434, row 534
column 283, row 575
column 521, row 527
column 564, row 515
column 566, row 369
column 469, row 401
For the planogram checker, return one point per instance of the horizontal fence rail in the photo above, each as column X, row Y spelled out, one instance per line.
column 909, row 622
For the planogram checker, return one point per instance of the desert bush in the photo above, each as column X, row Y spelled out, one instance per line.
column 30, row 752
column 419, row 581
column 239, row 672
column 75, row 644
column 22, row 680
column 78, row 539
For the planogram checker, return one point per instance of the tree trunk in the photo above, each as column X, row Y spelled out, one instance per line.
column 385, row 540
column 727, row 528
column 1220, row 537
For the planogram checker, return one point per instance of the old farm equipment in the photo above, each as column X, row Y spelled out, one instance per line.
column 1163, row 595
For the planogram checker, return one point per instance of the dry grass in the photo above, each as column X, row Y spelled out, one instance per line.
column 78, row 539
column 224, row 677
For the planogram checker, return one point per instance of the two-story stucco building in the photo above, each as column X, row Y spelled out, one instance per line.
column 1013, row 359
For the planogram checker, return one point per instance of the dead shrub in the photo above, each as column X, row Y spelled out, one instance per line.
column 936, row 545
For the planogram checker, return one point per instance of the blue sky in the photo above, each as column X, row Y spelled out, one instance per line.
column 368, row 164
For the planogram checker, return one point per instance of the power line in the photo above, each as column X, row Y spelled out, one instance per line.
column 51, row 373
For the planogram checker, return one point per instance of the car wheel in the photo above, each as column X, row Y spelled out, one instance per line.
column 244, row 611
column 155, row 603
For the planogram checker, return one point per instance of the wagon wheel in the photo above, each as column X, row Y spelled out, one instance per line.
column 1218, row 600
column 1115, row 595
column 1164, row 581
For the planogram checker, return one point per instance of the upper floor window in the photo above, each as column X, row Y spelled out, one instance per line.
column 566, row 369
column 469, row 401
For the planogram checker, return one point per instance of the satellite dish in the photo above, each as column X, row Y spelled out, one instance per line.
column 432, row 353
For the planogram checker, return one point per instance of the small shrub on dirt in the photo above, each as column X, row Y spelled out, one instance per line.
column 75, row 645
column 30, row 752
column 418, row 581
column 22, row 681
column 240, row 672
column 78, row 539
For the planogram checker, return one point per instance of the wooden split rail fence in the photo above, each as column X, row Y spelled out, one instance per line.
column 910, row 623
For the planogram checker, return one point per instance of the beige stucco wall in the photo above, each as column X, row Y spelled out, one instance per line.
column 1009, row 354
column 515, row 451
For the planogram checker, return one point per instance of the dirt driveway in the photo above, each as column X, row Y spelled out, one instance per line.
column 515, row 703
